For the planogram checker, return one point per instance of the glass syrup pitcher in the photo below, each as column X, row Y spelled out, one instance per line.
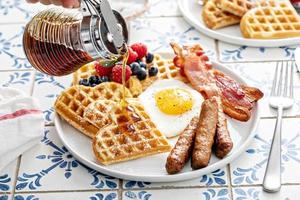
column 59, row 41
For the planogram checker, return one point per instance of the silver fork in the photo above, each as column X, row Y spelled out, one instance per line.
column 281, row 98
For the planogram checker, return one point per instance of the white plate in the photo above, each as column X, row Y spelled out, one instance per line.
column 152, row 168
column 191, row 11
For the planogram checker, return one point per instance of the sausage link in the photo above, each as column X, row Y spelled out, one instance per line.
column 223, row 142
column 205, row 133
column 181, row 152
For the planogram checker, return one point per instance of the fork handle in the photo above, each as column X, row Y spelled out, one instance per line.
column 272, row 178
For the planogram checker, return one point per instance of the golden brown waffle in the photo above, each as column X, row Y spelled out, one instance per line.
column 70, row 105
column 84, row 73
column 98, row 112
column 166, row 70
column 235, row 7
column 215, row 18
column 271, row 20
column 133, row 136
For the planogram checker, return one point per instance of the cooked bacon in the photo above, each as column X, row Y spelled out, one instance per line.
column 201, row 79
column 237, row 99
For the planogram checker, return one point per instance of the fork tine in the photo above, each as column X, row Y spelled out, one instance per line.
column 292, row 80
column 274, row 84
column 279, row 88
column 286, row 80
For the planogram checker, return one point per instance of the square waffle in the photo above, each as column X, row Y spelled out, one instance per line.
column 271, row 20
column 132, row 136
column 235, row 7
column 70, row 105
column 216, row 18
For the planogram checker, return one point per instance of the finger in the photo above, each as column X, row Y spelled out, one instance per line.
column 77, row 4
column 69, row 3
column 56, row 2
column 45, row 2
column 32, row 1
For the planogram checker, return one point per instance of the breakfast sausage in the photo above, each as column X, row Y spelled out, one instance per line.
column 205, row 133
column 223, row 142
column 181, row 152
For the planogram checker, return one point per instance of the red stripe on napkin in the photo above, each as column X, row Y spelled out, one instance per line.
column 19, row 113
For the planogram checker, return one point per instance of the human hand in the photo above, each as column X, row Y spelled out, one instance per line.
column 64, row 3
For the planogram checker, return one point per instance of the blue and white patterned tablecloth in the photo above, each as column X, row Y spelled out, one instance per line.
column 49, row 171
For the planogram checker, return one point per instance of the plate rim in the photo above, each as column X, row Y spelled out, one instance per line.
column 233, row 39
column 166, row 178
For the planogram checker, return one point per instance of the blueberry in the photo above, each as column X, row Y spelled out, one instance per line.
column 93, row 84
column 143, row 65
column 93, row 80
column 98, row 80
column 149, row 58
column 153, row 71
column 141, row 74
column 104, row 79
column 134, row 67
column 84, row 82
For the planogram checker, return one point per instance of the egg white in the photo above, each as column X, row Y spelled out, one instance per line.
column 170, row 125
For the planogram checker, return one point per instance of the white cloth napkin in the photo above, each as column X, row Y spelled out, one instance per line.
column 21, row 124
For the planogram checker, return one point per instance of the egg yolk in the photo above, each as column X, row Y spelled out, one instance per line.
column 174, row 101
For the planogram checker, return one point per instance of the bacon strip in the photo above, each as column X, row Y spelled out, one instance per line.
column 237, row 100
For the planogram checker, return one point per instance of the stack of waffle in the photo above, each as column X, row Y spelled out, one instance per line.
column 221, row 13
column 266, row 19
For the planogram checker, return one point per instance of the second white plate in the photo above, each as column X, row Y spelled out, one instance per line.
column 191, row 11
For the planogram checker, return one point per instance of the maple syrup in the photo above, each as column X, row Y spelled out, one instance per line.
column 59, row 41
column 124, row 63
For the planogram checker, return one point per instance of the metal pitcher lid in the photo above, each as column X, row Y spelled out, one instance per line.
column 104, row 31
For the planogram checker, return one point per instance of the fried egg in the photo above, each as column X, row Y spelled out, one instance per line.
column 171, row 104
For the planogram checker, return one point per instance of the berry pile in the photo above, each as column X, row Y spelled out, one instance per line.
column 94, row 81
column 137, row 52
column 135, row 67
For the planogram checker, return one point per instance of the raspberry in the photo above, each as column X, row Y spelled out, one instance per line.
column 199, row 53
column 102, row 71
column 182, row 73
column 204, row 57
column 117, row 73
column 208, row 65
column 178, row 62
column 132, row 56
column 140, row 49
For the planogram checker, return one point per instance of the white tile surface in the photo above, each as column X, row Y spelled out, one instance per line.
column 11, row 51
column 5, row 196
column 233, row 53
column 157, row 33
column 68, row 196
column 17, row 11
column 254, row 193
column 49, row 166
column 46, row 89
column 7, row 177
column 163, row 8
column 22, row 80
column 217, row 178
column 178, row 194
column 249, row 168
